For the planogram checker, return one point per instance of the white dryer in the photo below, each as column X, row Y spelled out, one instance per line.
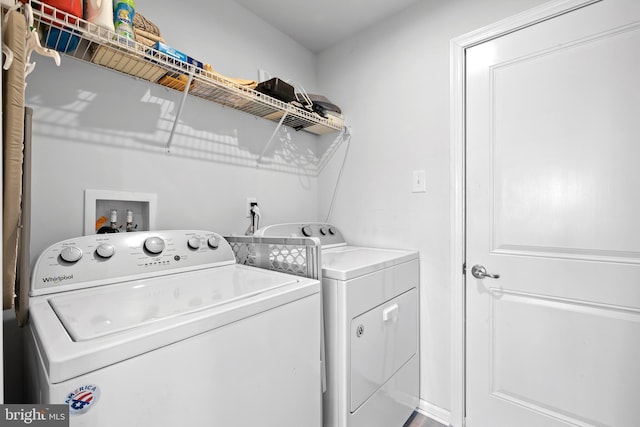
column 370, row 299
column 164, row 329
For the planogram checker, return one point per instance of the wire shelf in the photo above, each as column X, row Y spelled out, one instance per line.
column 299, row 256
column 85, row 41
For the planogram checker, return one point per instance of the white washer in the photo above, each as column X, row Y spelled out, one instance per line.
column 370, row 299
column 164, row 329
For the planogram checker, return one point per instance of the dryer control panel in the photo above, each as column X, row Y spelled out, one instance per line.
column 101, row 259
column 328, row 234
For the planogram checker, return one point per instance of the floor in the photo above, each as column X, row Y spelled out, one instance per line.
column 419, row 420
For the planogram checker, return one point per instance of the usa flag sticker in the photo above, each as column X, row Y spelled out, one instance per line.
column 82, row 399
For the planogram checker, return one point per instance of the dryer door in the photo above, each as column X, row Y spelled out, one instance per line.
column 382, row 340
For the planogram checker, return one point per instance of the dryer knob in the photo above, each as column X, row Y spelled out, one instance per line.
column 193, row 242
column 307, row 231
column 154, row 245
column 323, row 231
column 71, row 253
column 105, row 250
column 332, row 231
column 213, row 242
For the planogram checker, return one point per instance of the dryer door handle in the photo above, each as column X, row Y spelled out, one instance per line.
column 390, row 313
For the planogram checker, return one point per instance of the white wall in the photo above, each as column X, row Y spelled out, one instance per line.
column 95, row 129
column 393, row 84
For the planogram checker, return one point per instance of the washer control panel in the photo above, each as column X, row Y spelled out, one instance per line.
column 101, row 259
column 328, row 234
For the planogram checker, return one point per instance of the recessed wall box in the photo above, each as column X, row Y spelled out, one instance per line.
column 102, row 203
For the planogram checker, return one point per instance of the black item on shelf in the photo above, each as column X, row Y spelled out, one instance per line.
column 321, row 105
column 278, row 89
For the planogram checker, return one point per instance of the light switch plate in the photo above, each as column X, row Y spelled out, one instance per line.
column 419, row 184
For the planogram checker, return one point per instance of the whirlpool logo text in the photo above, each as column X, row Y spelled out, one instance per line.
column 57, row 279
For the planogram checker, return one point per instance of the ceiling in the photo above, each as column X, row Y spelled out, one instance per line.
column 319, row 24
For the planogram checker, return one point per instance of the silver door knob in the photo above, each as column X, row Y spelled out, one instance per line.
column 479, row 272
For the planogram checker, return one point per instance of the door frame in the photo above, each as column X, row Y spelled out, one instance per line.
column 457, row 93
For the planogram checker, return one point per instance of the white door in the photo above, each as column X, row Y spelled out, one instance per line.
column 553, row 208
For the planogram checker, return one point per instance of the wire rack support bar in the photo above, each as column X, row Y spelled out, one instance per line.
column 273, row 135
column 179, row 112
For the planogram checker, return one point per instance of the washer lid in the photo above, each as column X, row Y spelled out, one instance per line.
column 348, row 262
column 87, row 315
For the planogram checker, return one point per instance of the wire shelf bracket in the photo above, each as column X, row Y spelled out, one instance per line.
column 185, row 93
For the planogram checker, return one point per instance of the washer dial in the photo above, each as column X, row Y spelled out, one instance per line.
column 213, row 242
column 307, row 231
column 71, row 253
column 193, row 242
column 154, row 245
column 105, row 250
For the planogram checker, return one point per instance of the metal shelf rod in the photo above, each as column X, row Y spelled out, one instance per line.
column 179, row 113
column 273, row 135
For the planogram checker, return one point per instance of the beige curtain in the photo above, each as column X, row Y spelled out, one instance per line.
column 13, row 81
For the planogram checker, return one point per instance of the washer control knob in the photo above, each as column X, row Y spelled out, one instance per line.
column 323, row 231
column 213, row 242
column 307, row 231
column 332, row 231
column 71, row 253
column 154, row 245
column 193, row 242
column 105, row 250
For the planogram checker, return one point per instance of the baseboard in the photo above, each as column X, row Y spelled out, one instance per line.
column 443, row 416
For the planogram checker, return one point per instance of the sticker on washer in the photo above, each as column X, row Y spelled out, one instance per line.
column 82, row 399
